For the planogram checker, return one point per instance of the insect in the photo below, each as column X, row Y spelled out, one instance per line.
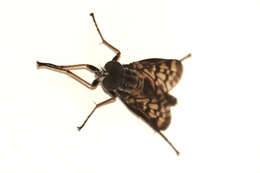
column 142, row 86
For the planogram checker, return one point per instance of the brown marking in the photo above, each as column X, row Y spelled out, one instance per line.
column 162, row 110
column 173, row 66
column 163, row 123
column 161, row 76
column 153, row 106
column 162, row 70
column 168, row 85
column 164, row 66
column 144, row 101
column 152, row 115
column 154, row 100
column 150, row 73
column 139, row 65
column 130, row 100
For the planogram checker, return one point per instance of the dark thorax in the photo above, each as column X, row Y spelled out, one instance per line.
column 136, row 83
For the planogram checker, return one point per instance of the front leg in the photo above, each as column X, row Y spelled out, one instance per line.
column 105, row 42
column 66, row 70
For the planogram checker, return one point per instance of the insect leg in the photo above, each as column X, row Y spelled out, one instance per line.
column 187, row 56
column 65, row 70
column 80, row 66
column 166, row 139
column 105, row 42
column 97, row 105
column 155, row 128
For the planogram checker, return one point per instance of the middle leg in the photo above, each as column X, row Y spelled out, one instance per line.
column 104, row 41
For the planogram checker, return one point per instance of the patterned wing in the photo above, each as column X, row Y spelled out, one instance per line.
column 166, row 73
column 156, row 112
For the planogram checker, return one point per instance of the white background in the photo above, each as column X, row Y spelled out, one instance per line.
column 215, row 126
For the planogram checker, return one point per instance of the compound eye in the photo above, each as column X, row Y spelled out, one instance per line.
column 113, row 67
